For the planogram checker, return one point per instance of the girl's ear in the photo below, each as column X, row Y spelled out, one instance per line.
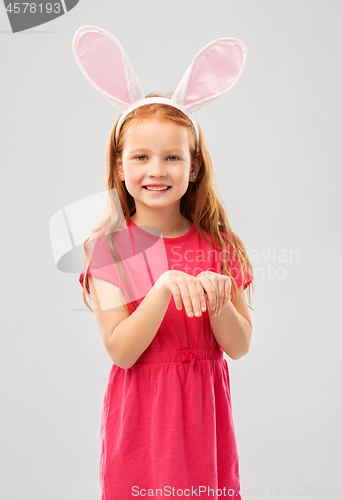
column 104, row 63
column 213, row 71
column 195, row 166
column 119, row 168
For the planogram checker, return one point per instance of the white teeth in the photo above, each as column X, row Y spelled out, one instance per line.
column 156, row 188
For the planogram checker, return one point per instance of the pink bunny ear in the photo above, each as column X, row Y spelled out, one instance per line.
column 104, row 63
column 213, row 71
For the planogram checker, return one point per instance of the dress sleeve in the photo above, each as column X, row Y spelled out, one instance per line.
column 236, row 272
column 102, row 263
column 132, row 252
column 235, row 269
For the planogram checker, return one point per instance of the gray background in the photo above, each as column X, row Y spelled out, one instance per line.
column 274, row 144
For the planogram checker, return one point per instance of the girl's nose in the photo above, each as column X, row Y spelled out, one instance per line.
column 157, row 169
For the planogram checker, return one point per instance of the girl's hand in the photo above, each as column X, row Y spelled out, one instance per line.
column 217, row 286
column 183, row 287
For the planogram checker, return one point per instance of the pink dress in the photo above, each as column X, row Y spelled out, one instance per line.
column 167, row 426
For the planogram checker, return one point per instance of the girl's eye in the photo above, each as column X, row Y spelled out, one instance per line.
column 172, row 158
column 140, row 157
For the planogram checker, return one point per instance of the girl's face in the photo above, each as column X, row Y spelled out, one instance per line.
column 156, row 163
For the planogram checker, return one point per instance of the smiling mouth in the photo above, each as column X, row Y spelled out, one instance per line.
column 157, row 188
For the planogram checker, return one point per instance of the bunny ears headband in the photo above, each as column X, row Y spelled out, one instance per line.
column 213, row 71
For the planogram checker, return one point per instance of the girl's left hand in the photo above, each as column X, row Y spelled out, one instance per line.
column 217, row 287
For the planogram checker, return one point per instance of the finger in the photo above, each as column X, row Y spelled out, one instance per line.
column 211, row 294
column 186, row 298
column 176, row 295
column 195, row 297
column 221, row 294
column 216, row 284
column 227, row 288
column 202, row 295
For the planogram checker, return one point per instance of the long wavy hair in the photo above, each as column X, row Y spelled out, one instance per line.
column 201, row 203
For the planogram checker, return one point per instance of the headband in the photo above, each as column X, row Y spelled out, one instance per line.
column 213, row 71
column 159, row 100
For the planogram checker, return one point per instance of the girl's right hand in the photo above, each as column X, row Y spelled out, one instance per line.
column 183, row 287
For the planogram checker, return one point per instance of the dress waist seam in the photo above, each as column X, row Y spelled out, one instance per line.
column 175, row 355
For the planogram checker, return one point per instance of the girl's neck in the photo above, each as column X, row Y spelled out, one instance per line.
column 171, row 226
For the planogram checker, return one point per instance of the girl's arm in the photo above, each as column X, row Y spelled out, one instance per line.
column 125, row 335
column 232, row 328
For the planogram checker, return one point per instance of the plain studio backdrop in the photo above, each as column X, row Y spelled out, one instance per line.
column 275, row 143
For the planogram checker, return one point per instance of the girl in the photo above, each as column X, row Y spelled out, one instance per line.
column 166, row 281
